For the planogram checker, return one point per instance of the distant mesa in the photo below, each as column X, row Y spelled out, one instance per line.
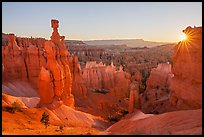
column 128, row 42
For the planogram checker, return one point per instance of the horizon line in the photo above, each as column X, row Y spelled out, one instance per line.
column 95, row 39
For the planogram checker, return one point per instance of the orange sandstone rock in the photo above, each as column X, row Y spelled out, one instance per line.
column 186, row 85
column 58, row 66
column 134, row 101
column 55, row 35
column 46, row 87
column 22, row 59
column 12, row 59
column 156, row 96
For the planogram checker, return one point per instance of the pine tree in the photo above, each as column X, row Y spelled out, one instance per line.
column 45, row 119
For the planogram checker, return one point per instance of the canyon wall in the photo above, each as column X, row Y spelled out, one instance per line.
column 79, row 87
column 155, row 99
column 25, row 55
column 99, row 89
column 12, row 58
column 186, row 85
column 100, row 77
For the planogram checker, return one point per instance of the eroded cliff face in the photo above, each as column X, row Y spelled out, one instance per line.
column 106, row 78
column 100, row 89
column 79, row 87
column 186, row 85
column 156, row 96
column 22, row 59
column 12, row 58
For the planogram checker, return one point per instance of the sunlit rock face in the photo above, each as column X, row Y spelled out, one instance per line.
column 186, row 85
column 156, row 96
column 33, row 62
column 99, row 89
column 32, row 49
column 55, row 82
column 79, row 87
column 134, row 100
column 100, row 76
column 22, row 59
column 163, row 71
column 12, row 58
column 43, row 64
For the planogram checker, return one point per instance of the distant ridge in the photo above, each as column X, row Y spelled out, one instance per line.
column 104, row 43
column 128, row 42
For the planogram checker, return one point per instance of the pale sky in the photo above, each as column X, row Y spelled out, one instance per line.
column 151, row 21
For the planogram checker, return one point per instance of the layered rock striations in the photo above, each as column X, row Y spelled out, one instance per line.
column 186, row 85
column 25, row 55
column 55, row 82
column 79, row 87
column 44, row 64
column 101, row 90
column 106, row 78
column 12, row 58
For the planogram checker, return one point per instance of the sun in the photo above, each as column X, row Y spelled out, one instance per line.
column 183, row 37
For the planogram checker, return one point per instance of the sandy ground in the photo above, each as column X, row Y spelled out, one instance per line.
column 28, row 121
column 26, row 102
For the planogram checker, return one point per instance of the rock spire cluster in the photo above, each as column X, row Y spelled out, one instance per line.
column 55, row 82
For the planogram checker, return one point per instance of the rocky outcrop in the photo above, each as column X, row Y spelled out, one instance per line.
column 134, row 100
column 159, row 76
column 99, row 89
column 55, row 82
column 12, row 58
column 102, row 77
column 25, row 55
column 43, row 64
column 186, row 85
column 33, row 61
column 79, row 88
column 156, row 96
